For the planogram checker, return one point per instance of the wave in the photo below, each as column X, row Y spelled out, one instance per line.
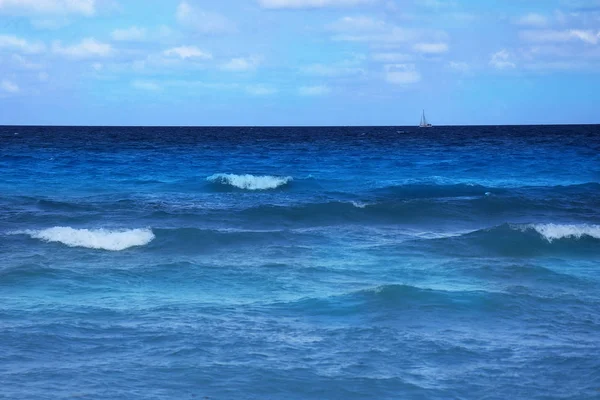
column 443, row 188
column 427, row 191
column 103, row 239
column 521, row 274
column 395, row 301
column 191, row 240
column 552, row 232
column 364, row 212
column 250, row 182
column 520, row 240
column 359, row 204
column 406, row 301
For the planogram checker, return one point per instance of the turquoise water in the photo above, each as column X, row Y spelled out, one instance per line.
column 300, row 263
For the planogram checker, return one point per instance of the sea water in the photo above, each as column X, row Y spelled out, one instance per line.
column 300, row 263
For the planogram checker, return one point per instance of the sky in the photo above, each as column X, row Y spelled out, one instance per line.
column 299, row 62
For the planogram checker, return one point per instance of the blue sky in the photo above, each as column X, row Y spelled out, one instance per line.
column 299, row 62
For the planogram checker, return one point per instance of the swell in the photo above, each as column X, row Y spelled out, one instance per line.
column 206, row 240
column 167, row 239
column 517, row 240
column 463, row 212
column 448, row 188
column 378, row 211
column 524, row 274
column 504, row 240
column 447, row 205
column 28, row 271
column 396, row 297
column 425, row 191
column 553, row 196
column 414, row 203
column 411, row 303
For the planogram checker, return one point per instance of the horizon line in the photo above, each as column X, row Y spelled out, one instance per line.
column 290, row 126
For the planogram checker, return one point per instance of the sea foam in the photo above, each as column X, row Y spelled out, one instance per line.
column 250, row 182
column 552, row 232
column 359, row 204
column 104, row 239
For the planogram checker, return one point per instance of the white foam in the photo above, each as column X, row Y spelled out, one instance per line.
column 250, row 182
column 552, row 232
column 104, row 239
column 359, row 204
column 440, row 235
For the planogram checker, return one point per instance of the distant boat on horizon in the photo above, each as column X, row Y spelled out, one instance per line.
column 424, row 123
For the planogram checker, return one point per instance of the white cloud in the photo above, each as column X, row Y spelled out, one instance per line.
column 551, row 50
column 391, row 57
column 203, row 21
column 9, row 86
column 320, row 90
column 43, row 76
column 131, row 34
column 24, row 63
column 87, row 48
column 431, row 48
column 295, row 4
column 145, row 85
column 367, row 29
column 164, row 31
column 241, row 64
column 437, row 4
column 393, row 35
column 556, row 65
column 357, row 24
column 501, row 60
column 459, row 66
column 49, row 23
column 261, row 90
column 532, row 19
column 352, row 65
column 401, row 74
column 587, row 36
column 331, row 70
column 27, row 7
column 185, row 52
column 15, row 43
column 464, row 17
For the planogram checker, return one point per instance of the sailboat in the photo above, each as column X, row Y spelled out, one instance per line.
column 424, row 123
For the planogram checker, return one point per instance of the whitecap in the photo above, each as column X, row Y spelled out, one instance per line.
column 250, row 182
column 359, row 204
column 552, row 232
column 104, row 239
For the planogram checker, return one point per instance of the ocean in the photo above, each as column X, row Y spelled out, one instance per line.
column 300, row 263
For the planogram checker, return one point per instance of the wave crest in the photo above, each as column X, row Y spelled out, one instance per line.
column 552, row 232
column 104, row 239
column 250, row 182
column 520, row 240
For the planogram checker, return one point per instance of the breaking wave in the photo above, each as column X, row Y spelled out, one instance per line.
column 104, row 239
column 521, row 240
column 250, row 182
column 552, row 232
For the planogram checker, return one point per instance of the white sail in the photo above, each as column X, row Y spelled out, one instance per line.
column 424, row 123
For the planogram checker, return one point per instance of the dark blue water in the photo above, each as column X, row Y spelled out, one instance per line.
column 300, row 263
